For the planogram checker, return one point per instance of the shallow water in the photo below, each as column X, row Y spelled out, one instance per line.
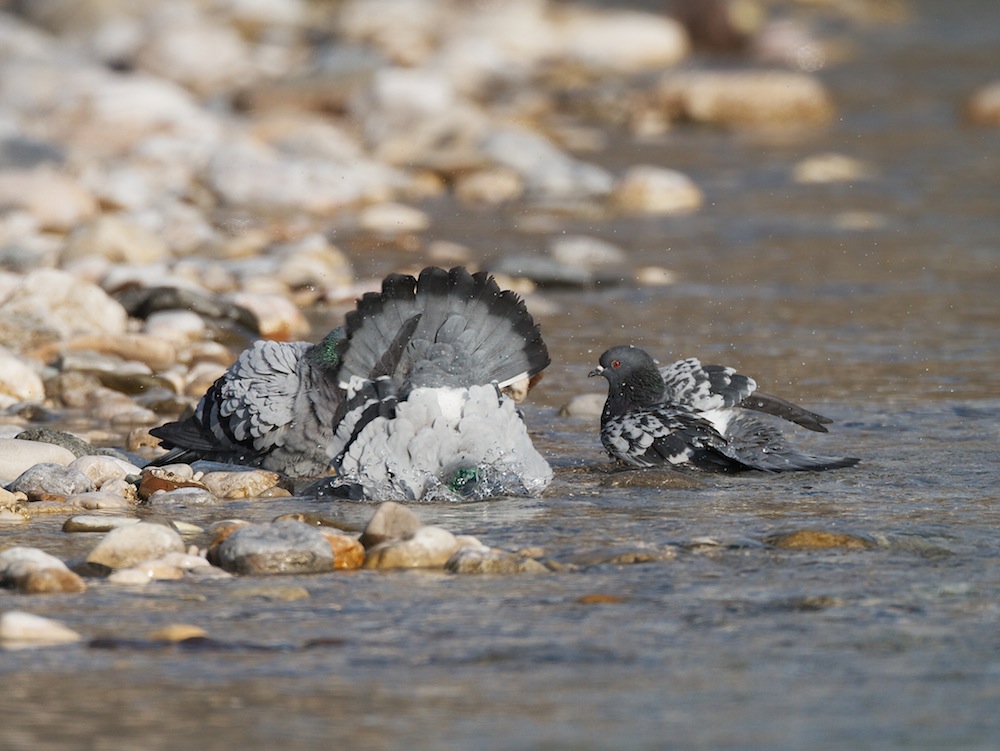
column 717, row 641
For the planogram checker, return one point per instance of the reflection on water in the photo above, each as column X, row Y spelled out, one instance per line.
column 726, row 642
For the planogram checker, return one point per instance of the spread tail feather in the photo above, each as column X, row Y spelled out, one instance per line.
column 468, row 332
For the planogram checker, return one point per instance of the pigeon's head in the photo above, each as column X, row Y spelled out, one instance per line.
column 632, row 375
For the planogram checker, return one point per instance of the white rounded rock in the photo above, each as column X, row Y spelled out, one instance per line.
column 646, row 189
column 20, row 629
column 19, row 382
column 17, row 456
column 100, row 469
column 123, row 547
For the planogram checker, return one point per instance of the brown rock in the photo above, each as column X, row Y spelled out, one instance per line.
column 741, row 98
column 50, row 580
column 984, row 107
column 348, row 552
column 162, row 478
column 815, row 539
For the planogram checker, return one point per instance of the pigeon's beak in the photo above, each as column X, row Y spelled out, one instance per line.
column 599, row 370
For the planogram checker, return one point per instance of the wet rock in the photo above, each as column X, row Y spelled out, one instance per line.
column 195, row 51
column 622, row 40
column 182, row 497
column 123, row 489
column 427, row 547
column 655, row 276
column 142, row 302
column 176, row 632
column 169, row 566
column 98, row 500
column 393, row 219
column 313, row 263
column 626, row 556
column 12, row 509
column 745, row 98
column 56, row 201
column 47, row 481
column 217, row 533
column 277, row 316
column 348, row 552
column 68, row 441
column 984, row 106
column 490, row 186
column 830, row 168
column 241, row 483
column 151, row 351
column 86, row 523
column 586, row 252
column 19, row 630
column 34, row 571
column 279, row 548
column 167, row 478
column 546, row 171
column 66, row 304
column 102, row 469
column 816, row 539
column 645, row 189
column 254, row 176
column 483, row 560
column 123, row 547
column 584, row 405
column 391, row 521
column 117, row 239
column 178, row 327
column 19, row 381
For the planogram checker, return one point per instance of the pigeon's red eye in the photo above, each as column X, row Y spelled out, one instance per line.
column 616, row 364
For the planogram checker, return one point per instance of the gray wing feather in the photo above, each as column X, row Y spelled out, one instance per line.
column 704, row 387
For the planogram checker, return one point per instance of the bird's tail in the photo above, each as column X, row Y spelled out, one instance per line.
column 469, row 332
column 760, row 445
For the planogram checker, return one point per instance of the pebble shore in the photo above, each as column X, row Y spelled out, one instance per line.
column 175, row 179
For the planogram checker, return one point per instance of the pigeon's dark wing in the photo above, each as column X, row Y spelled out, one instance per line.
column 774, row 405
column 700, row 388
column 653, row 436
column 705, row 387
column 247, row 410
column 273, row 408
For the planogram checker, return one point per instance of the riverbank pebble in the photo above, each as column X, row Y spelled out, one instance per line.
column 18, row 456
column 20, row 630
column 284, row 547
column 33, row 571
column 391, row 521
column 125, row 546
column 426, row 547
column 645, row 189
column 745, row 98
column 983, row 108
column 49, row 481
column 483, row 560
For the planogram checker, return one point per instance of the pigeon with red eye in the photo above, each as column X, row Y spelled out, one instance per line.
column 702, row 416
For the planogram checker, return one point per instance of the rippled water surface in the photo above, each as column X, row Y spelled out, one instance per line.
column 673, row 624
